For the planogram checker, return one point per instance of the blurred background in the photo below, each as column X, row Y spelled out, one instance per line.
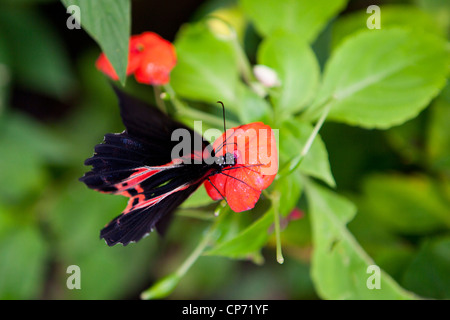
column 55, row 106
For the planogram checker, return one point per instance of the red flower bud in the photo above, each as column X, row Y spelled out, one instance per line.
column 150, row 59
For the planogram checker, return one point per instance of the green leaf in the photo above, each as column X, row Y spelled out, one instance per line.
column 297, row 68
column 198, row 199
column 406, row 204
column 230, row 224
column 256, row 108
column 427, row 274
column 293, row 136
column 303, row 17
column 389, row 250
column 290, row 188
column 108, row 22
column 162, row 288
column 391, row 16
column 382, row 78
column 440, row 10
column 207, row 67
column 246, row 242
column 438, row 133
column 297, row 234
column 339, row 264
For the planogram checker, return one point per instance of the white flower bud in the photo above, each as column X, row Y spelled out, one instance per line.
column 266, row 76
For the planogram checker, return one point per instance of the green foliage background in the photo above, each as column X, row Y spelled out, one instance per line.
column 374, row 187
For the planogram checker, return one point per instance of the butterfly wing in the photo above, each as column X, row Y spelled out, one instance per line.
column 137, row 163
column 144, row 214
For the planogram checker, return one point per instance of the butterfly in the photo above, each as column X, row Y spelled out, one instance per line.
column 139, row 163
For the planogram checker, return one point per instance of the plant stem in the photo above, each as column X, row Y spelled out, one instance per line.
column 181, row 271
column 276, row 212
column 246, row 69
column 175, row 101
column 159, row 102
column 167, row 284
column 207, row 237
column 275, row 198
column 244, row 64
column 296, row 161
column 317, row 127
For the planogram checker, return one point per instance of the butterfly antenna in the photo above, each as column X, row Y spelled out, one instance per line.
column 223, row 111
column 224, row 124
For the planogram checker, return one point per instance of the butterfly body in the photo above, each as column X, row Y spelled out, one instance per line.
column 138, row 163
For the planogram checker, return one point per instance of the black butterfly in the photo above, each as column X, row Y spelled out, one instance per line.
column 137, row 163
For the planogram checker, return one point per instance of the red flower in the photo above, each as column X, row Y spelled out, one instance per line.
column 255, row 166
column 150, row 59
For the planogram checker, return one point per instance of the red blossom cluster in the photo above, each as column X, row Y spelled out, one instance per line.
column 150, row 59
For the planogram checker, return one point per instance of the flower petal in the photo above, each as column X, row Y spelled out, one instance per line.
column 216, row 189
column 158, row 59
column 150, row 58
column 254, row 148
column 106, row 67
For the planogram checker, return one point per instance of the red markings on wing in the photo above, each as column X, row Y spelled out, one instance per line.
column 134, row 180
column 131, row 186
column 139, row 201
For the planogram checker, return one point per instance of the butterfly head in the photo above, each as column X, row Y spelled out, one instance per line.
column 227, row 160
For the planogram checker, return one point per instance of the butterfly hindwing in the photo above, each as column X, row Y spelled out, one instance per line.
column 141, row 217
